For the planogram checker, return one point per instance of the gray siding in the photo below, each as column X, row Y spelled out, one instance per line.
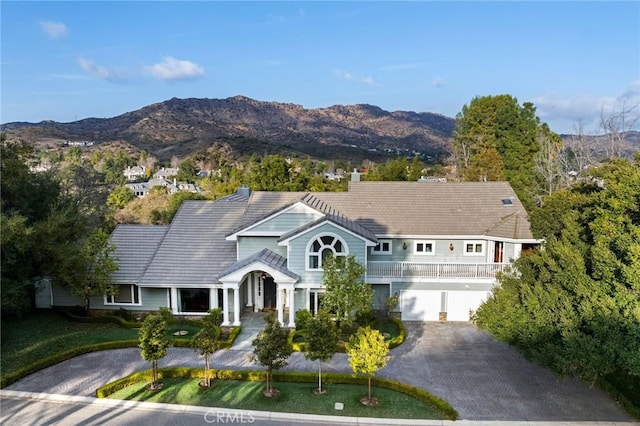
column 298, row 247
column 248, row 246
column 285, row 222
column 151, row 300
column 460, row 286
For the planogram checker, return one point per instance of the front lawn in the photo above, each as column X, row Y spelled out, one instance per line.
column 294, row 398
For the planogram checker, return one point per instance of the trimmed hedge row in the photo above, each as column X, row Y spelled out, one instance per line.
column 100, row 319
column 402, row 335
column 618, row 396
column 298, row 377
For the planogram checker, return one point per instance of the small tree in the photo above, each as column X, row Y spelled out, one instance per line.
column 322, row 341
column 347, row 293
column 206, row 342
column 271, row 350
column 153, row 342
column 368, row 353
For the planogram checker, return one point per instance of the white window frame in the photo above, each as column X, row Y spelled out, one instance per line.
column 424, row 243
column 378, row 249
column 324, row 246
column 475, row 243
column 134, row 288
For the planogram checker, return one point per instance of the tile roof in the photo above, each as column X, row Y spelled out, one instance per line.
column 135, row 247
column 266, row 257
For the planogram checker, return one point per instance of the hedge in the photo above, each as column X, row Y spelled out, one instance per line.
column 298, row 377
column 100, row 319
column 619, row 397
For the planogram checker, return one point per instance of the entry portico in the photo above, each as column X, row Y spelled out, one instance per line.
column 253, row 272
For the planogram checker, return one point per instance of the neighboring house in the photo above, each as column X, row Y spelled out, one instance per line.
column 135, row 173
column 142, row 188
column 437, row 245
column 166, row 173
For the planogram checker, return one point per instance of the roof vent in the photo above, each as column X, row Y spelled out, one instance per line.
column 507, row 201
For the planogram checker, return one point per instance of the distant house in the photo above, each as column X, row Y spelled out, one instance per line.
column 135, row 173
column 141, row 189
column 166, row 173
column 437, row 245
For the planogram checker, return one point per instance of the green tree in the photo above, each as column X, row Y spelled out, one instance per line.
column 100, row 266
column 120, row 197
column 574, row 305
column 495, row 138
column 415, row 169
column 153, row 342
column 368, row 353
column 322, row 341
column 206, row 342
column 187, row 172
column 346, row 292
column 271, row 350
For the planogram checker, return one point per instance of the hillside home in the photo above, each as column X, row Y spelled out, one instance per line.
column 437, row 245
column 135, row 173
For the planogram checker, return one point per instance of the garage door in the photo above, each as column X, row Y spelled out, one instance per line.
column 459, row 303
column 420, row 305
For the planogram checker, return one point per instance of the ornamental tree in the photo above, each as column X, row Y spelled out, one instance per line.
column 368, row 352
column 271, row 350
column 153, row 342
column 206, row 342
column 321, row 335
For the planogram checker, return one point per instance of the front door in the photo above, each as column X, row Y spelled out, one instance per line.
column 269, row 293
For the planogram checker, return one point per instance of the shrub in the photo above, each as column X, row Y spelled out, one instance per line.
column 217, row 316
column 365, row 317
column 166, row 314
column 303, row 317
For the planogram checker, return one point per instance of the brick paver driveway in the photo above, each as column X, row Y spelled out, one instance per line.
column 483, row 379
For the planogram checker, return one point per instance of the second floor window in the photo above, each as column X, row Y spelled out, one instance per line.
column 383, row 247
column 323, row 246
column 424, row 247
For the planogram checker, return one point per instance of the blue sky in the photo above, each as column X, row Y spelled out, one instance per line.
column 72, row 60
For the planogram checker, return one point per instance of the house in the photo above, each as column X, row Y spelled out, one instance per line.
column 437, row 245
column 166, row 173
column 141, row 189
column 135, row 173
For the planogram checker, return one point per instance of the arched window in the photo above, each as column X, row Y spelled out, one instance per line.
column 323, row 246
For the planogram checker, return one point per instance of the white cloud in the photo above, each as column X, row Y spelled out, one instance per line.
column 438, row 81
column 54, row 29
column 346, row 75
column 103, row 73
column 175, row 69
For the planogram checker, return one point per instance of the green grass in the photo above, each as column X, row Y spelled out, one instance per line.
column 42, row 334
column 294, row 398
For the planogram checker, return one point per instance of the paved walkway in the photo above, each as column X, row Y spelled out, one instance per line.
column 481, row 378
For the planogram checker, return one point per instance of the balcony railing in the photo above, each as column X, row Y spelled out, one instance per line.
column 433, row 270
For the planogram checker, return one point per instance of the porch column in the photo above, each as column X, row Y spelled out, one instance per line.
column 213, row 298
column 307, row 295
column 174, row 299
column 250, row 283
column 292, row 321
column 225, row 307
column 236, row 306
column 279, row 304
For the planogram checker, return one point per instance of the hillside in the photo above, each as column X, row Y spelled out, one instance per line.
column 183, row 127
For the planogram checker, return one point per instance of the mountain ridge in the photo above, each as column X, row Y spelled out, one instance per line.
column 181, row 127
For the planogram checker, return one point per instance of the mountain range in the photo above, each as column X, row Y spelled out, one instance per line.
column 182, row 127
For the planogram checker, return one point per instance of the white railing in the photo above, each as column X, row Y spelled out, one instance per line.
column 433, row 270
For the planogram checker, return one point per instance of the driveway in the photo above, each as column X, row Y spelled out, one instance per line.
column 481, row 378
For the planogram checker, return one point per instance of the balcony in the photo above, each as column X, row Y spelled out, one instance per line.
column 434, row 270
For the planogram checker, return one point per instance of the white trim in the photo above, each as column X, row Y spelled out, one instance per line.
column 475, row 244
column 233, row 279
column 133, row 297
column 308, row 252
column 368, row 242
column 460, row 237
column 297, row 205
column 425, row 243
column 381, row 252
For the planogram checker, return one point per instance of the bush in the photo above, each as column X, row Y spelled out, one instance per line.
column 102, row 319
column 166, row 314
column 226, row 344
column 303, row 317
column 124, row 314
column 364, row 318
column 217, row 316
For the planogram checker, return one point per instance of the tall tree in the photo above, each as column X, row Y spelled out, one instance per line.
column 368, row 352
column 321, row 335
column 575, row 305
column 346, row 292
column 495, row 138
column 271, row 350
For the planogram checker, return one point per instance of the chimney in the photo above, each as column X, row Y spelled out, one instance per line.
column 244, row 191
column 355, row 176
